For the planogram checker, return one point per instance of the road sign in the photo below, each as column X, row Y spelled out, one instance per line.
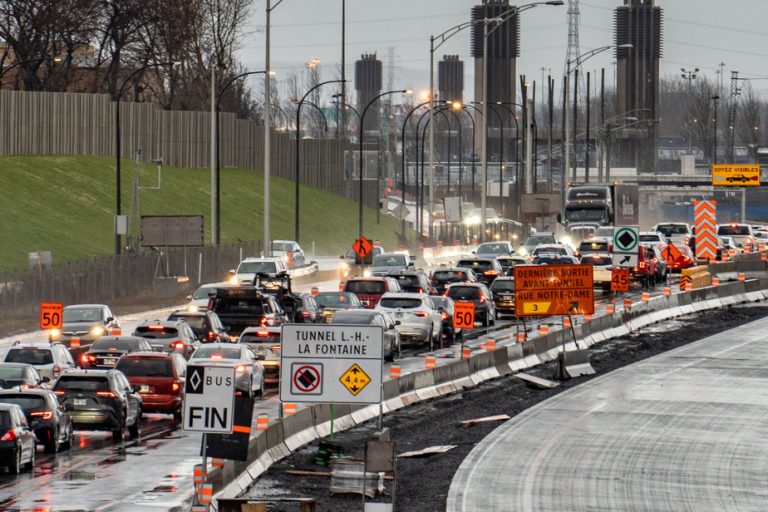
column 363, row 251
column 624, row 260
column 464, row 315
column 209, row 399
column 51, row 315
column 671, row 253
column 705, row 227
column 355, row 379
column 626, row 239
column 331, row 363
column 233, row 446
column 742, row 175
column 619, row 279
column 544, row 290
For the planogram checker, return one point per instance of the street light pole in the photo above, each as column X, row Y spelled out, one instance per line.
column 267, row 235
column 715, row 99
column 690, row 75
column 402, row 153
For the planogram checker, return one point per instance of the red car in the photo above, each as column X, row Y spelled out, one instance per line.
column 160, row 378
column 682, row 262
column 370, row 289
column 645, row 271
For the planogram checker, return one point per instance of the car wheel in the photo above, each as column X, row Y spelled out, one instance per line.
column 15, row 467
column 31, row 464
column 70, row 441
column 135, row 430
column 431, row 340
column 53, row 445
column 177, row 417
column 117, row 432
column 391, row 355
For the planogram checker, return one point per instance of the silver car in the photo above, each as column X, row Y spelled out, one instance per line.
column 418, row 318
column 83, row 323
column 249, row 372
column 49, row 359
column 290, row 251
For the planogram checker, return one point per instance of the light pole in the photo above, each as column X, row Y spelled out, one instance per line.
column 715, row 99
column 471, row 117
column 501, row 153
column 297, row 173
column 322, row 113
column 689, row 75
column 505, row 105
column 120, row 91
column 216, row 224
column 360, row 154
column 402, row 154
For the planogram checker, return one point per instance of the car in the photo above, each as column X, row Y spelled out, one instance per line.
column 508, row 262
column 445, row 306
column 105, row 351
column 652, row 237
column 249, row 372
column 602, row 266
column 662, row 269
column 246, row 306
column 20, row 374
column 738, row 178
column 329, row 302
column 168, row 336
column 546, row 258
column 486, row 269
column 535, row 240
column 478, row 293
column 246, row 271
column 503, row 293
column 645, row 271
column 494, row 249
column 676, row 232
column 84, row 323
column 49, row 359
column 100, row 400
column 684, row 261
column 290, row 251
column 17, row 442
column 391, row 341
column 414, row 281
column 596, row 244
column 52, row 425
column 160, row 378
column 202, row 296
column 419, row 319
column 742, row 234
column 307, row 311
column 384, row 264
column 265, row 344
column 348, row 268
column 370, row 289
column 727, row 248
column 442, row 277
column 205, row 324
column 560, row 249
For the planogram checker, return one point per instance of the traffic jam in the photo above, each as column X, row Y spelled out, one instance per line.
column 99, row 380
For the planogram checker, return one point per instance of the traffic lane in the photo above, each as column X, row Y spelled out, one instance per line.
column 152, row 472
column 684, row 430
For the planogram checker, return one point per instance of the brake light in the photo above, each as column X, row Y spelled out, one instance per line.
column 84, row 358
column 216, row 356
column 444, row 315
column 175, row 387
column 240, row 368
column 211, row 336
column 482, row 299
column 490, row 273
column 46, row 415
column 422, row 314
column 275, row 347
column 179, row 345
column 9, row 436
column 59, row 391
column 262, row 334
column 263, row 322
column 156, row 328
column 107, row 394
column 641, row 265
column 421, row 290
column 305, row 314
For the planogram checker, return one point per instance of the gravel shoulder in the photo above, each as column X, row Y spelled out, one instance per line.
column 423, row 483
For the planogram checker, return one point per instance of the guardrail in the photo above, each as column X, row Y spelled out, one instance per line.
column 287, row 435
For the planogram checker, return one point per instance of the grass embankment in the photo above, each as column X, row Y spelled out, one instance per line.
column 66, row 205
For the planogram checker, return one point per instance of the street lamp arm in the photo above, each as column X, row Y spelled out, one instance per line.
column 316, row 107
column 232, row 80
column 445, row 36
column 347, row 105
column 318, row 86
column 272, row 8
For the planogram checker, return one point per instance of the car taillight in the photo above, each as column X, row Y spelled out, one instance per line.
column 490, row 273
column 156, row 328
column 421, row 290
column 211, row 336
column 422, row 314
column 263, row 322
column 9, row 436
column 305, row 314
column 175, row 387
column 641, row 265
column 59, row 392
column 84, row 358
column 240, row 368
column 46, row 415
column 445, row 294
column 215, row 356
column 482, row 299
column 444, row 315
column 275, row 347
column 56, row 370
column 107, row 394
column 179, row 345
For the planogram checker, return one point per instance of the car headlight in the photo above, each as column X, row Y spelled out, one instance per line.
column 55, row 333
column 367, row 273
column 344, row 265
column 524, row 251
column 233, row 280
column 97, row 331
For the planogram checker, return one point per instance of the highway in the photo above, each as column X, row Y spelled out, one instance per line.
column 684, row 430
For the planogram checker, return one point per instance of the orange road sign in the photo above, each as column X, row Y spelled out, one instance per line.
column 51, row 314
column 464, row 315
column 363, row 250
column 620, row 279
column 671, row 253
column 543, row 290
column 742, row 175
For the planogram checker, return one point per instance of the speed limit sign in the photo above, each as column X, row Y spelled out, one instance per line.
column 464, row 315
column 51, row 315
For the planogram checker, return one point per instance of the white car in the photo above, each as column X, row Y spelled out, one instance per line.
column 49, row 359
column 742, row 234
column 249, row 267
column 559, row 249
column 602, row 267
column 676, row 232
column 290, row 252
column 416, row 317
column 652, row 237
column 202, row 295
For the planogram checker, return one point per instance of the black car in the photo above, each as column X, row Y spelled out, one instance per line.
column 486, row 269
column 445, row 305
column 20, row 374
column 106, row 350
column 414, row 281
column 206, row 325
column 329, row 302
column 171, row 336
column 478, row 293
column 307, row 311
column 503, row 291
column 51, row 424
column 100, row 400
column 443, row 277
column 17, row 441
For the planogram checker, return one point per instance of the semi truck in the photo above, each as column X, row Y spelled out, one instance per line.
column 587, row 207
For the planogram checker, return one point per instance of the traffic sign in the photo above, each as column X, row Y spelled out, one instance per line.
column 705, row 227
column 51, row 315
column 322, row 363
column 671, row 253
column 363, row 251
column 624, row 260
column 542, row 290
column 626, row 239
column 619, row 279
column 742, row 175
column 464, row 315
column 209, row 399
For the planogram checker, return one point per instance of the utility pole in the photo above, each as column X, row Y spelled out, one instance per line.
column 689, row 75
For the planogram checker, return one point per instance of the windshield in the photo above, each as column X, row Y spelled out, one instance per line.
column 335, row 300
column 145, row 366
column 463, row 293
column 282, row 246
column 672, row 229
column 352, row 318
column 34, row 356
column 649, row 238
column 11, row 372
column 503, row 285
column 155, row 333
column 540, row 239
column 366, row 287
column 122, row 345
column 75, row 315
column 738, row 230
column 551, row 250
column 257, row 267
column 26, row 402
column 392, row 302
column 82, row 383
column 213, row 352
column 204, row 292
column 586, row 215
column 408, row 281
column 194, row 321
column 593, row 246
column 240, row 307
column 449, row 276
column 552, row 260
column 389, row 260
column 493, row 248
column 479, row 265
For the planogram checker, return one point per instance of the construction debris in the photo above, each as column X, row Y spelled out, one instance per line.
column 426, row 452
column 487, row 419
column 537, row 381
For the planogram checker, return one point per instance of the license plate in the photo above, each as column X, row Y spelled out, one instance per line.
column 109, row 361
column 143, row 389
column 80, row 401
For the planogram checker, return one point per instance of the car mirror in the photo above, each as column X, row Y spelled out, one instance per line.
column 110, row 319
column 135, row 388
column 45, row 380
column 440, row 308
column 188, row 297
column 232, row 272
column 398, row 322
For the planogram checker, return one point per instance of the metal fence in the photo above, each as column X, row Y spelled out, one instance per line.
column 106, row 279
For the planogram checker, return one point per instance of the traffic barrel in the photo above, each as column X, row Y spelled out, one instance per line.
column 715, row 281
column 667, row 291
column 610, row 309
column 742, row 277
column 490, row 345
column 262, row 422
column 197, row 474
column 394, row 371
column 74, row 343
column 627, row 304
column 314, row 290
column 199, row 508
column 217, row 463
column 466, row 353
column 543, row 330
column 566, row 322
column 289, row 409
column 206, row 494
column 646, row 297
column 521, row 338
column 116, row 331
column 430, row 362
column 763, row 257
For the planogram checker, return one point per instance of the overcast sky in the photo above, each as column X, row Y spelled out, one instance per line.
column 697, row 33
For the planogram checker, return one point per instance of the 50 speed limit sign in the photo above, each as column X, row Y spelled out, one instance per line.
column 464, row 315
column 51, row 314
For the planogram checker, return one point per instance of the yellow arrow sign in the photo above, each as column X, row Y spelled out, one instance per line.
column 355, row 379
column 536, row 308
